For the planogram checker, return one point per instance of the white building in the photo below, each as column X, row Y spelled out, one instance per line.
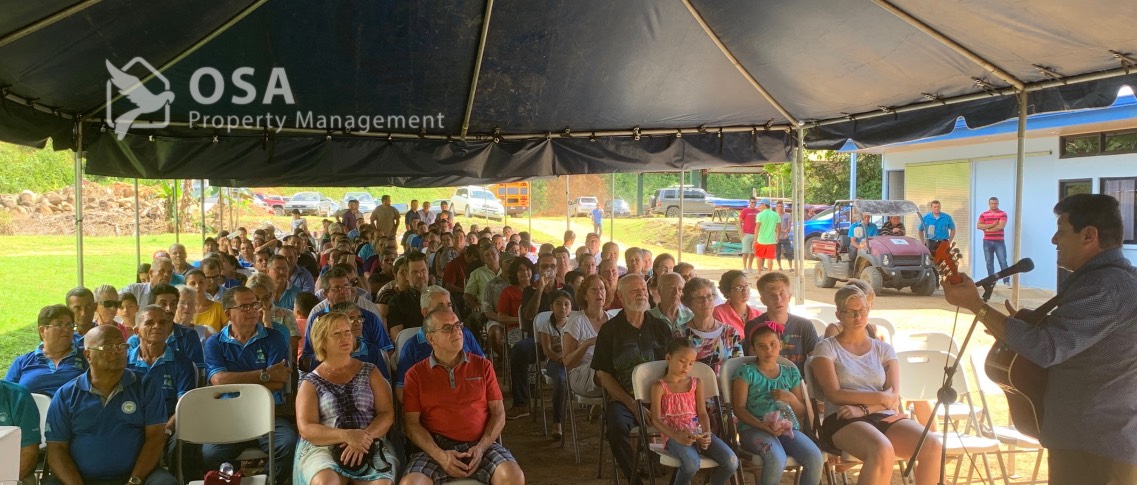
column 1092, row 151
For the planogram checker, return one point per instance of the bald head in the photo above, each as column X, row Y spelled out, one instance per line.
column 96, row 336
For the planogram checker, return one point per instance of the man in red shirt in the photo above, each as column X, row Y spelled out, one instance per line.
column 453, row 383
column 992, row 223
column 746, row 222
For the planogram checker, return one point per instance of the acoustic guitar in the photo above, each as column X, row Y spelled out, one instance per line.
column 1023, row 381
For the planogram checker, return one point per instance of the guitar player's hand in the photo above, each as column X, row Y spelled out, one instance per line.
column 963, row 294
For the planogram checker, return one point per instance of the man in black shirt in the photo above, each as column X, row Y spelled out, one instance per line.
column 404, row 311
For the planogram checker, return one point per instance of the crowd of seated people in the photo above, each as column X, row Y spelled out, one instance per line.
column 315, row 320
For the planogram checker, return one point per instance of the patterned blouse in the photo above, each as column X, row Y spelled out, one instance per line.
column 714, row 347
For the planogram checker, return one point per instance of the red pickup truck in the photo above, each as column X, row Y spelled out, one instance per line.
column 274, row 203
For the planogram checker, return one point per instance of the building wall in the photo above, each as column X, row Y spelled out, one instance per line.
column 992, row 174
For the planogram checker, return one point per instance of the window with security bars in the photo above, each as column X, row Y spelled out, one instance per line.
column 1103, row 143
column 1125, row 191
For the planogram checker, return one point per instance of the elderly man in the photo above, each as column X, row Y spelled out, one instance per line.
column 633, row 257
column 403, row 311
column 564, row 262
column 161, row 271
column 385, row 218
column 180, row 258
column 106, row 426
column 798, row 337
column 57, row 360
column 280, row 274
column 298, row 277
column 182, row 339
column 81, row 302
column 668, row 291
column 338, row 287
column 417, row 348
column 17, row 408
column 629, row 339
column 152, row 359
column 452, row 383
column 214, row 278
column 245, row 352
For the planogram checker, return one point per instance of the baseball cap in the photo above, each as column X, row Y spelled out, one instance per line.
column 765, row 202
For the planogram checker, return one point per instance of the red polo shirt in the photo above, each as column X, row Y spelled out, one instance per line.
column 453, row 403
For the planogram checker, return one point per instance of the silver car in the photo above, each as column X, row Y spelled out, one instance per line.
column 366, row 201
column 311, row 203
column 696, row 202
column 476, row 201
column 582, row 206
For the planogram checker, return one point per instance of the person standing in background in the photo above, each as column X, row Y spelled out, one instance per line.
column 992, row 223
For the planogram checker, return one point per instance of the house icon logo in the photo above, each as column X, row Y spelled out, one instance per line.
column 144, row 100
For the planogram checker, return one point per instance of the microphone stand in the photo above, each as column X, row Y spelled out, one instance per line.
column 946, row 396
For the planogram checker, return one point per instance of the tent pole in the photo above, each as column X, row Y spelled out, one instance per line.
column 568, row 220
column 798, row 214
column 137, row 229
column 530, row 204
column 79, row 199
column 682, row 178
column 477, row 68
column 853, row 176
column 177, row 213
column 612, row 216
column 46, row 22
column 1020, row 159
column 203, row 213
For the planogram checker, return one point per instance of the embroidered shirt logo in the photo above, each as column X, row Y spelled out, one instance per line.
column 129, row 407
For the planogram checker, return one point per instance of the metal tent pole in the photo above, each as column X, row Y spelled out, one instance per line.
column 568, row 220
column 798, row 214
column 137, row 229
column 177, row 213
column 1020, row 159
column 530, row 204
column 79, row 199
column 612, row 216
column 853, row 176
column 203, row 213
column 682, row 178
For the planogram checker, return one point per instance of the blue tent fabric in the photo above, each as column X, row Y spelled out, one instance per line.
column 548, row 68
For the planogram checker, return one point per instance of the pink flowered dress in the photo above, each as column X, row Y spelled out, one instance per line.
column 677, row 409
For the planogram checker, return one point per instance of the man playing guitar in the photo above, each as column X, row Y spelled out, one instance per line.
column 1089, row 425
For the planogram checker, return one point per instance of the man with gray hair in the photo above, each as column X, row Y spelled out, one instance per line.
column 161, row 271
column 337, row 285
column 669, row 289
column 416, row 349
column 632, row 337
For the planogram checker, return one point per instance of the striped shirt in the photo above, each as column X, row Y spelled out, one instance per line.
column 993, row 217
column 1087, row 346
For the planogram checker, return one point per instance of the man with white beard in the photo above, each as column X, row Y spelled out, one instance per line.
column 632, row 337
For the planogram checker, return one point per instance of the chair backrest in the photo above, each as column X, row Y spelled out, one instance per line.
column 648, row 372
column 43, row 401
column 818, row 326
column 936, row 341
column 922, row 373
column 541, row 320
column 726, row 375
column 402, row 338
column 229, row 413
column 886, row 324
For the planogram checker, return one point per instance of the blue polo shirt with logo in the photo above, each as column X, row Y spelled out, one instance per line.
column 936, row 228
column 376, row 357
column 38, row 373
column 105, row 439
column 418, row 349
column 265, row 348
column 175, row 373
column 184, row 340
column 374, row 333
column 17, row 408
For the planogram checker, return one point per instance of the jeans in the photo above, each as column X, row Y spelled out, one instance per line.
column 620, row 422
column 803, row 449
column 521, row 356
column 283, row 442
column 598, row 228
column 156, row 477
column 559, row 377
column 992, row 250
column 688, row 457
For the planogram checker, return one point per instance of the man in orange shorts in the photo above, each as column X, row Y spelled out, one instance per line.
column 766, row 236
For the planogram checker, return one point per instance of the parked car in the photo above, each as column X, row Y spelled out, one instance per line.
column 436, row 207
column 622, row 209
column 821, row 223
column 332, row 207
column 311, row 203
column 696, row 201
column 582, row 206
column 274, row 203
column 366, row 201
column 476, row 201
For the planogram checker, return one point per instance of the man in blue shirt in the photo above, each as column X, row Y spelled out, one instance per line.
column 936, row 228
column 417, row 349
column 298, row 277
column 859, row 232
column 245, row 352
column 105, row 427
column 182, row 339
column 597, row 219
column 57, row 360
column 17, row 408
column 340, row 290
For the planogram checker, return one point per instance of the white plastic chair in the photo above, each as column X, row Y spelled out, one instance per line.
column 934, row 341
column 43, row 401
column 726, row 380
column 1015, row 441
column 921, row 373
column 229, row 413
column 642, row 378
column 886, row 324
column 401, row 339
column 818, row 326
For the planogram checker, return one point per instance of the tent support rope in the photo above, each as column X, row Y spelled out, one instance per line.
column 46, row 22
column 477, row 68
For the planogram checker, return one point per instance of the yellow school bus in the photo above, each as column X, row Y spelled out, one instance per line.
column 514, row 196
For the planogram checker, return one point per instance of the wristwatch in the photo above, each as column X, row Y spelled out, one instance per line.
column 264, row 375
column 982, row 313
column 134, row 481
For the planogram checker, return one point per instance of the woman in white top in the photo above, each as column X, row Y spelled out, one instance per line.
column 859, row 378
column 579, row 339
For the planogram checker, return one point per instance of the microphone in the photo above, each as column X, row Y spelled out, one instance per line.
column 1024, row 265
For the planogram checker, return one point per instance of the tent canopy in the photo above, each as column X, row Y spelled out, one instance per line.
column 555, row 87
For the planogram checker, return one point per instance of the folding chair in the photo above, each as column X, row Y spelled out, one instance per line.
column 402, row 338
column 886, row 324
column 921, row 373
column 1015, row 441
column 818, row 326
column 754, row 462
column 540, row 376
column 579, row 400
column 229, row 413
column 834, row 458
column 642, row 378
column 935, row 341
column 42, row 401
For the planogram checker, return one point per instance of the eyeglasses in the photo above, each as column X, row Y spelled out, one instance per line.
column 356, row 318
column 338, row 289
column 702, row 299
column 108, row 348
column 111, row 303
column 60, row 326
column 739, row 287
column 215, row 277
column 857, row 313
column 449, row 329
column 247, row 307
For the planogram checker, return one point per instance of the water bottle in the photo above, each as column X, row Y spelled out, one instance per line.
column 226, row 469
column 694, row 430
